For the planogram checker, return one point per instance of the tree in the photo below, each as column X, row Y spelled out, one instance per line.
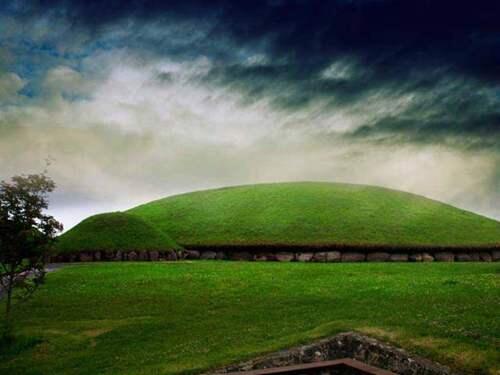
column 26, row 235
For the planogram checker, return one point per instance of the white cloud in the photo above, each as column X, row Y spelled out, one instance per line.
column 139, row 136
column 341, row 69
column 10, row 85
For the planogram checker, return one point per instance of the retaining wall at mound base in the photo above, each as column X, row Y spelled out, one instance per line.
column 289, row 255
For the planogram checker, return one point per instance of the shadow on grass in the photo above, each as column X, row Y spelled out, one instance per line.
column 11, row 346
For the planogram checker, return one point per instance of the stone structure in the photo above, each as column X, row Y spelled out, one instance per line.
column 346, row 345
column 281, row 256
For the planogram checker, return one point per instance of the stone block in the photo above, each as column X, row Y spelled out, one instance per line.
column 333, row 256
column 241, row 255
column 416, row 257
column 463, row 257
column 320, row 257
column 170, row 255
column 444, row 256
column 486, row 257
column 378, row 257
column 426, row 257
column 264, row 257
column 304, row 257
column 353, row 257
column 192, row 254
column 208, row 255
column 142, row 255
column 400, row 257
column 285, row 257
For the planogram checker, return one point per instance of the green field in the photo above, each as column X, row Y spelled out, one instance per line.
column 310, row 213
column 181, row 317
column 114, row 231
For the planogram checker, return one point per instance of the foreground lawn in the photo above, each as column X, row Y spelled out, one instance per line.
column 171, row 318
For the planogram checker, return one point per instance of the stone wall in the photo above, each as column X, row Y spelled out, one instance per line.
column 284, row 256
column 346, row 345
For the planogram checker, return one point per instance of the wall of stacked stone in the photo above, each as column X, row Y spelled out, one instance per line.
column 283, row 256
column 345, row 345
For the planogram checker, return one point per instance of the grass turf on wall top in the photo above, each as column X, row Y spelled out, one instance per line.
column 114, row 231
column 315, row 213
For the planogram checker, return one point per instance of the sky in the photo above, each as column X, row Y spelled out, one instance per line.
column 133, row 101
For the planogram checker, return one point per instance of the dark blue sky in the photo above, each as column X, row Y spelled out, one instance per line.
column 167, row 96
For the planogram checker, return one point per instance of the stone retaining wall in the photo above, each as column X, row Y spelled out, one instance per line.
column 284, row 256
column 346, row 345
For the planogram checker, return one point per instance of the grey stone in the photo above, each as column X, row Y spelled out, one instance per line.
column 378, row 257
column 86, row 257
column 241, row 255
column 345, row 345
column 118, row 255
column 399, row 257
column 320, row 257
column 444, row 256
column 192, row 254
column 263, row 257
column 426, row 257
column 475, row 256
column 353, row 257
column 142, row 255
column 97, row 256
column 333, row 256
column 416, row 257
column 486, row 257
column 170, row 255
column 463, row 257
column 285, row 257
column 495, row 256
column 304, row 257
column 154, row 255
column 132, row 255
column 208, row 255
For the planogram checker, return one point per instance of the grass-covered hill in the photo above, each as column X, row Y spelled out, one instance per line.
column 310, row 213
column 114, row 231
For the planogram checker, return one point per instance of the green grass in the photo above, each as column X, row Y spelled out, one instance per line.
column 315, row 213
column 176, row 318
column 114, row 231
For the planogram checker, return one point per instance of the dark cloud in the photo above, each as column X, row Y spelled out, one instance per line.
column 381, row 83
column 382, row 33
column 397, row 46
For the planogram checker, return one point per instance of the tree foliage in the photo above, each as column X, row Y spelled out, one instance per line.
column 26, row 235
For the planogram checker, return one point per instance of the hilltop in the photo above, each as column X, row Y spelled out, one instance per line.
column 315, row 213
column 114, row 231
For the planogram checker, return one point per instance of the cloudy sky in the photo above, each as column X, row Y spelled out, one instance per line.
column 137, row 100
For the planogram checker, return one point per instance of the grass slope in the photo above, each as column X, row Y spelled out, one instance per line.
column 114, row 231
column 315, row 213
column 178, row 318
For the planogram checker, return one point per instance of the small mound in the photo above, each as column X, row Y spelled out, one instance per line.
column 114, row 231
column 315, row 213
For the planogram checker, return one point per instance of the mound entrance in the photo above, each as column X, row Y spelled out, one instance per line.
column 347, row 353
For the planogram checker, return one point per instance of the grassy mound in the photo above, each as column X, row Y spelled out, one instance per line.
column 310, row 213
column 114, row 231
